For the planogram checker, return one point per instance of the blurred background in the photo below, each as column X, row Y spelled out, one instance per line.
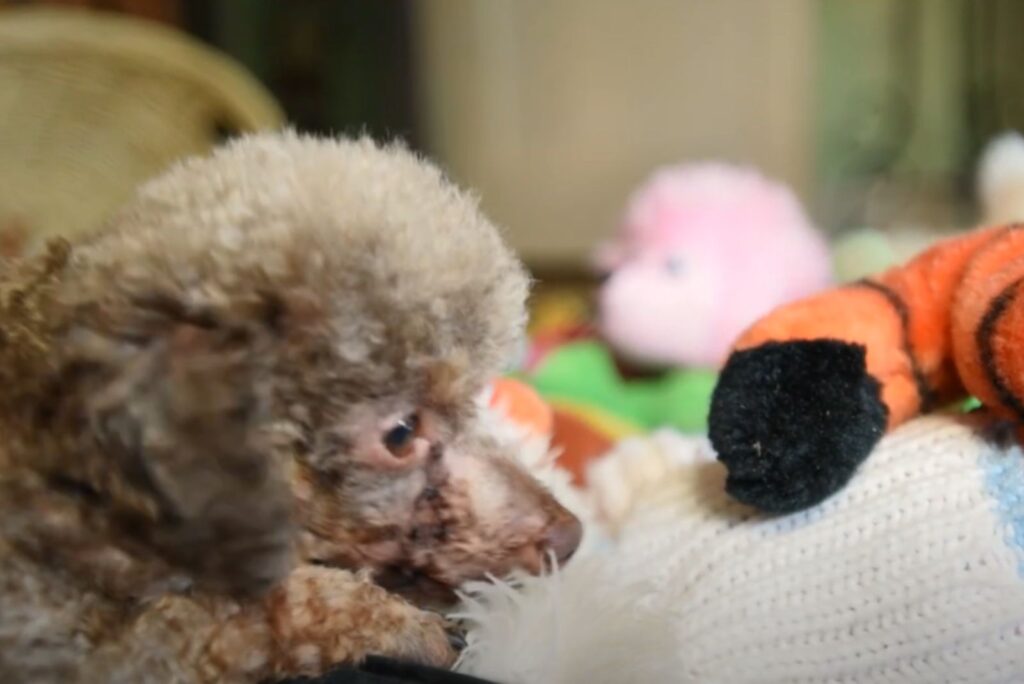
column 874, row 111
column 870, row 114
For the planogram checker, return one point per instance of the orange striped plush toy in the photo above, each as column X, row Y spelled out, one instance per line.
column 810, row 388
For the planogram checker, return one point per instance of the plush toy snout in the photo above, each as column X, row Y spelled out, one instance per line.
column 660, row 310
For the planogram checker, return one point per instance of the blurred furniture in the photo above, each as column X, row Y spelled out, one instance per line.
column 162, row 11
column 555, row 111
column 91, row 104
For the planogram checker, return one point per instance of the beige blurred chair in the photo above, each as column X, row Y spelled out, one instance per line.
column 91, row 104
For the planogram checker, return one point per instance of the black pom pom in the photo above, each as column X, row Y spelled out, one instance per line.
column 791, row 421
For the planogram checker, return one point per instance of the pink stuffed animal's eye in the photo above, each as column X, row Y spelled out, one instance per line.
column 675, row 266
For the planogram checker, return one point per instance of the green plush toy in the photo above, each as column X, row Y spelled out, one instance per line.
column 584, row 374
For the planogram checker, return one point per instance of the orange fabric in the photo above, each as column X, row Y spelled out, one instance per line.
column 578, row 443
column 521, row 404
column 918, row 322
column 852, row 314
column 928, row 284
column 993, row 273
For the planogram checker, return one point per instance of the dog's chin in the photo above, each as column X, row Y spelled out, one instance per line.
column 416, row 587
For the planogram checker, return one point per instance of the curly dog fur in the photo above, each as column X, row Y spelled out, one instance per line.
column 240, row 422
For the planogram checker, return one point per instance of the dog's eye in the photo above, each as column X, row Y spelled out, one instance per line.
column 399, row 439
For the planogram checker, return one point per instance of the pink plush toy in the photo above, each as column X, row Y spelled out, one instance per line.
column 704, row 250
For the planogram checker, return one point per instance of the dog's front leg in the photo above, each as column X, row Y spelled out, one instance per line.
column 316, row 619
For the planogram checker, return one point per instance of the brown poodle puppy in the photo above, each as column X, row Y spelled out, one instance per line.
column 244, row 411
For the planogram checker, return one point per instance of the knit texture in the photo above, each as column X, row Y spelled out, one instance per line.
column 912, row 573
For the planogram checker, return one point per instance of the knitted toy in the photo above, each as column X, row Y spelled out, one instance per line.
column 912, row 574
column 811, row 387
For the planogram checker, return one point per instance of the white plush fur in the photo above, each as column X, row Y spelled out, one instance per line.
column 577, row 626
column 582, row 623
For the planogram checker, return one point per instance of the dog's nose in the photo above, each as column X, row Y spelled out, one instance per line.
column 563, row 537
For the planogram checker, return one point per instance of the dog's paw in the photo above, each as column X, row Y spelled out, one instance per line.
column 324, row 617
column 429, row 640
column 792, row 421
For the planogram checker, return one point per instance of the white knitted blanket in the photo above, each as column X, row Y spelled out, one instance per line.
column 913, row 573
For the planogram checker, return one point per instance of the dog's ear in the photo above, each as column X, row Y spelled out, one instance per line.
column 176, row 405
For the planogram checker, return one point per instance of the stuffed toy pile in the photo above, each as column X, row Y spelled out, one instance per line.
column 702, row 251
column 776, row 550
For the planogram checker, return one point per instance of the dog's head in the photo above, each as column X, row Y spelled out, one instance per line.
column 401, row 302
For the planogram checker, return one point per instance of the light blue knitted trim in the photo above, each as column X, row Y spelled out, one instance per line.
column 1004, row 480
